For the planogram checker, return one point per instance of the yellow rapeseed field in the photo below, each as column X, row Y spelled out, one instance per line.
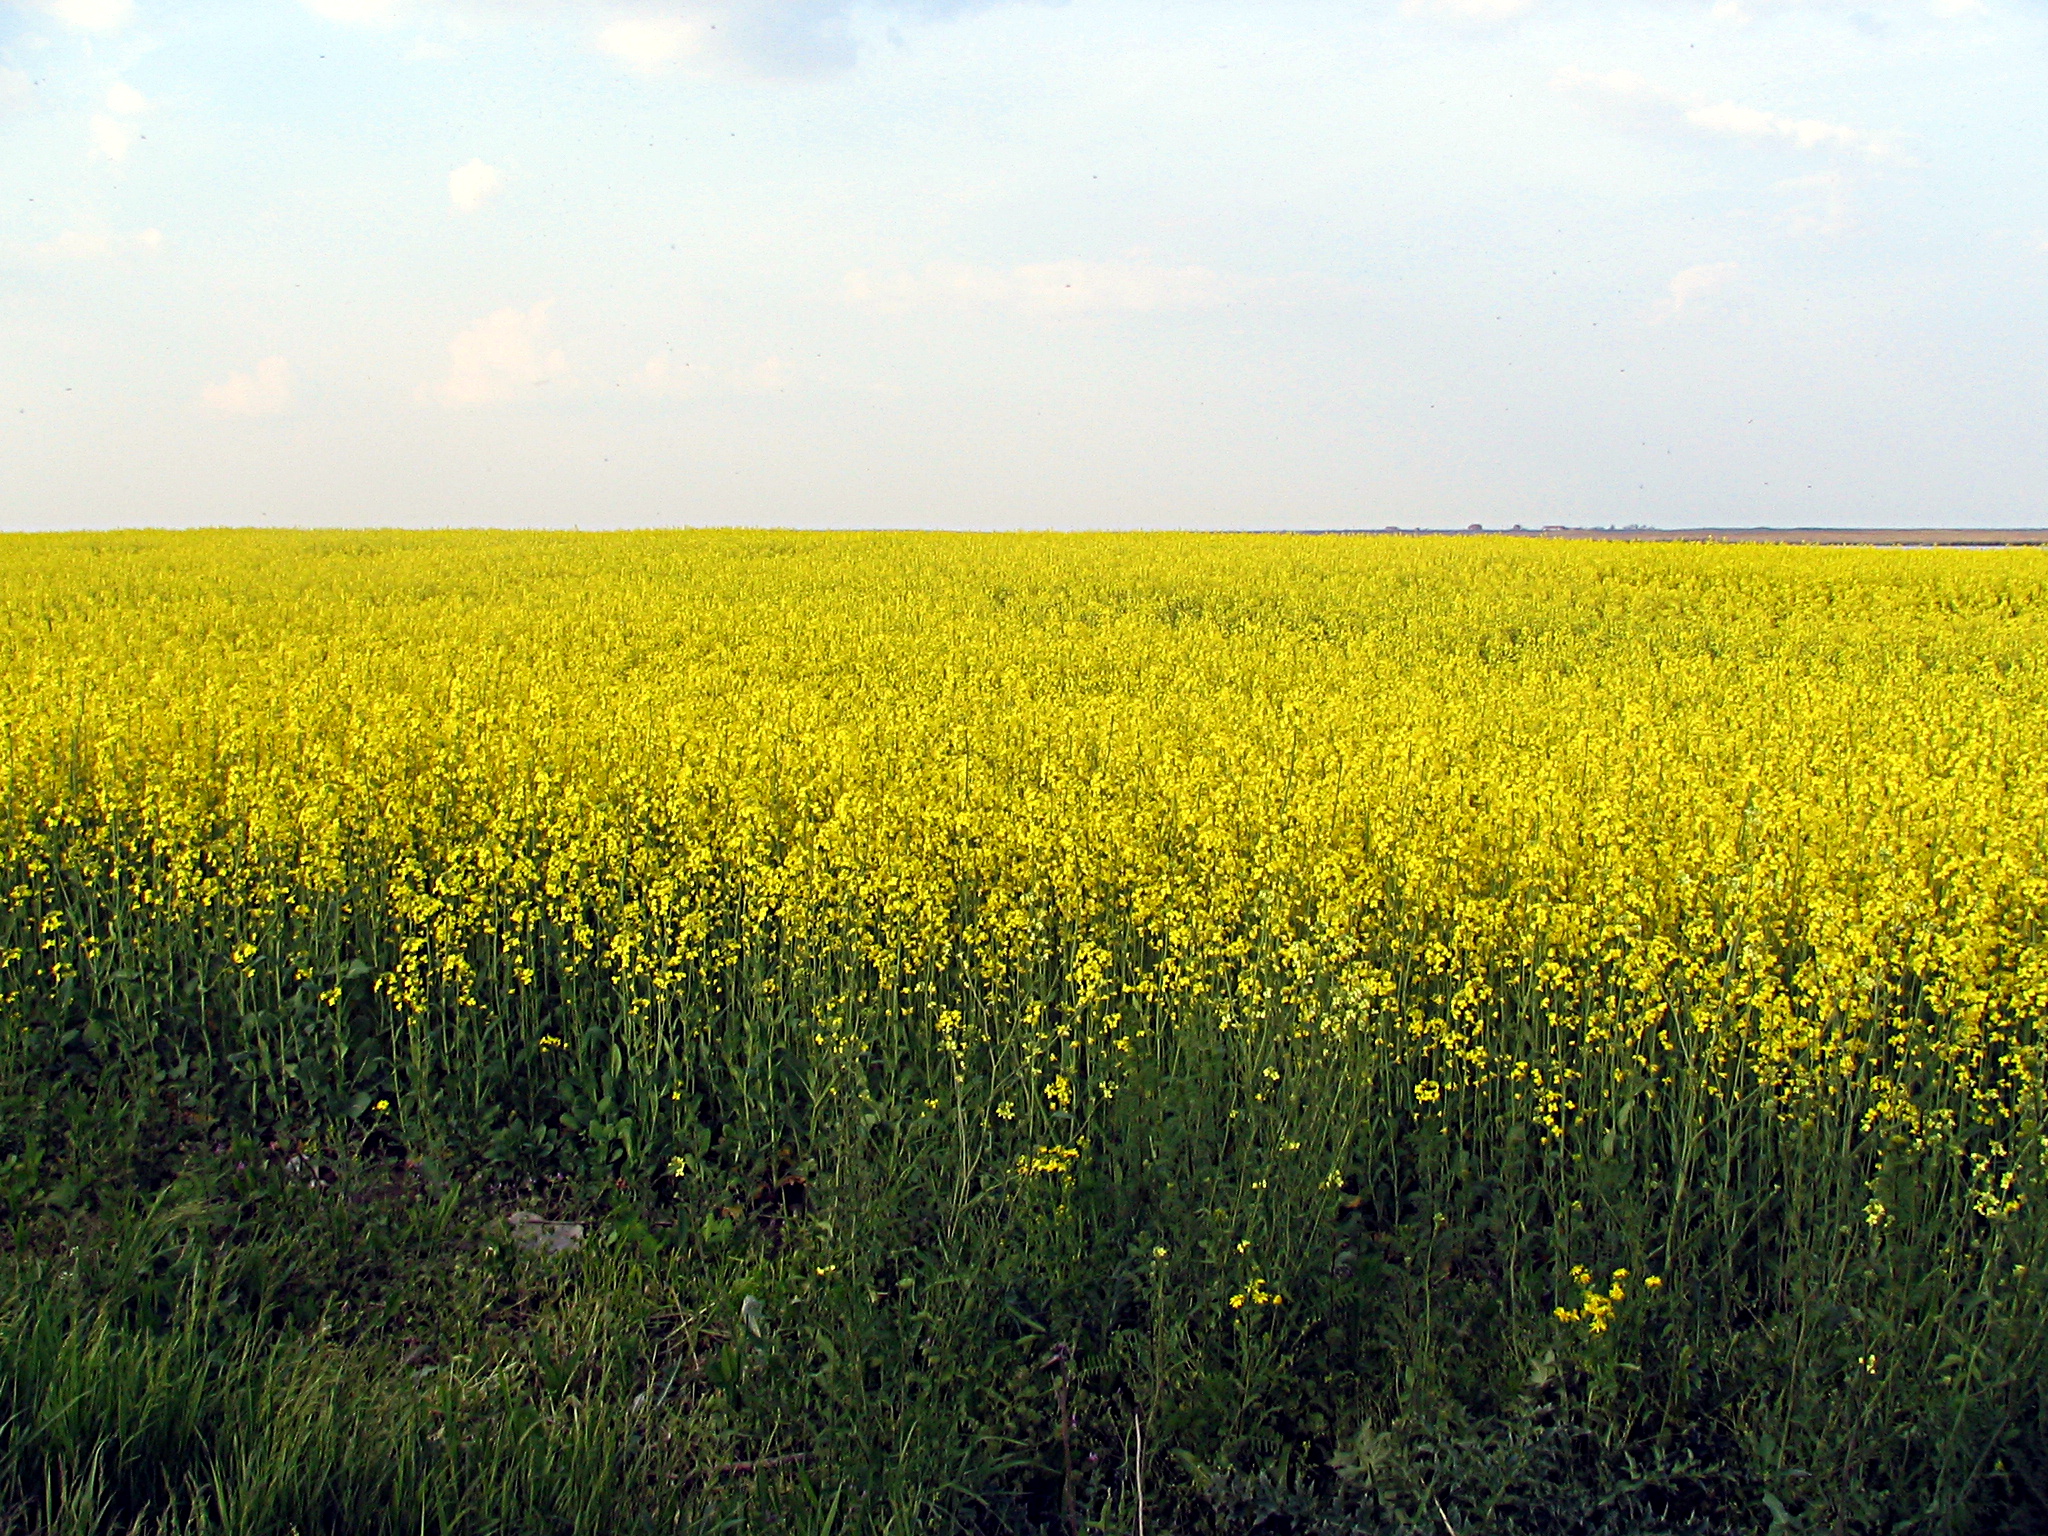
column 1514, row 811
column 1314, row 979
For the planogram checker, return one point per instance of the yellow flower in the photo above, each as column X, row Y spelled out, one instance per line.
column 1598, row 1309
column 1256, row 1295
column 1047, row 1160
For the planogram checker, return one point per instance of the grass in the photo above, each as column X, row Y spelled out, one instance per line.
column 205, row 1332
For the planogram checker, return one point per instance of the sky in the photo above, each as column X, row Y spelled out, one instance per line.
column 1023, row 264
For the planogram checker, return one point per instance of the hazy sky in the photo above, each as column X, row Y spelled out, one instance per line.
column 1104, row 263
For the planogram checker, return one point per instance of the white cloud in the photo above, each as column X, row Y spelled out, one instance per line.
column 92, row 244
column 658, row 375
column 1824, row 205
column 1468, row 10
column 1620, row 84
column 769, row 376
column 1695, row 283
column 662, row 376
column 471, row 186
column 649, row 44
column 353, row 10
column 92, row 15
column 264, row 392
column 17, row 91
column 112, row 134
column 504, row 356
column 1725, row 118
column 1738, row 12
column 1806, row 132
column 77, row 245
column 1048, row 288
column 776, row 37
column 111, row 138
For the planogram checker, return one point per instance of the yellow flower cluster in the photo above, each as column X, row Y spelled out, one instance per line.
column 1256, row 1295
column 1048, row 1161
column 1598, row 1307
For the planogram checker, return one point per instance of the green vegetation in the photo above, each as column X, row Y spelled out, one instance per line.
column 1227, row 1036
